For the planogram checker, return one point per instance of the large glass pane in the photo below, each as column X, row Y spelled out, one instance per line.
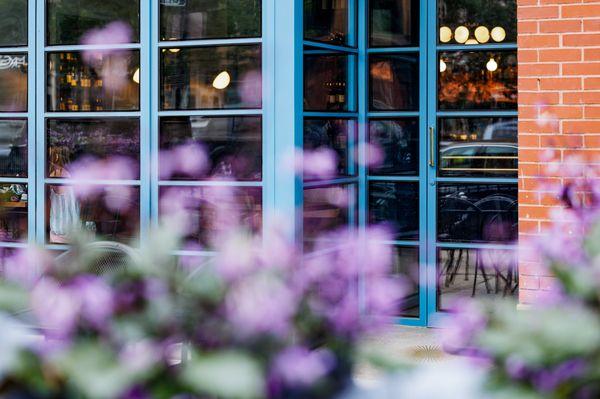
column 13, row 212
column 475, row 147
column 395, row 148
column 477, row 21
column 326, row 83
column 211, row 78
column 327, row 209
column 13, row 23
column 13, row 82
column 93, row 81
column 326, row 21
column 334, row 135
column 88, row 21
column 478, row 273
column 394, row 82
column 211, row 212
column 406, row 266
column 233, row 145
column 396, row 204
column 477, row 212
column 393, row 23
column 477, row 80
column 209, row 19
column 71, row 140
column 13, row 147
column 112, row 213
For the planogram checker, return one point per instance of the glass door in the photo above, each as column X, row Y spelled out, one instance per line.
column 472, row 152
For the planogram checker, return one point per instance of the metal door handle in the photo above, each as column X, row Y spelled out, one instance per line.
column 432, row 146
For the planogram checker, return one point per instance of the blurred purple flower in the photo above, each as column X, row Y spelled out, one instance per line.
column 298, row 366
column 26, row 266
column 319, row 164
column 55, row 308
column 250, row 85
column 260, row 304
column 468, row 319
column 117, row 32
column 548, row 380
column 190, row 160
column 95, row 298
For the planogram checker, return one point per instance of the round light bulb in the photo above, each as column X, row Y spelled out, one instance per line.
column 174, row 50
column 482, row 34
column 445, row 34
column 222, row 81
column 136, row 76
column 471, row 41
column 492, row 65
column 498, row 34
column 461, row 34
column 443, row 66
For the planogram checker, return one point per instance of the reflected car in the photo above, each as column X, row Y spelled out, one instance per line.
column 494, row 158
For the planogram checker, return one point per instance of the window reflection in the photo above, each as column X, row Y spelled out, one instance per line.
column 334, row 135
column 326, row 21
column 71, row 140
column 396, row 204
column 394, row 23
column 211, row 212
column 93, row 81
column 483, row 212
column 13, row 23
column 13, row 147
column 477, row 80
column 211, row 78
column 112, row 214
column 69, row 20
column 406, row 266
column 478, row 273
column 396, row 142
column 13, row 212
column 233, row 144
column 210, row 19
column 478, row 147
column 394, row 82
column 327, row 209
column 477, row 21
column 326, row 83
column 13, row 82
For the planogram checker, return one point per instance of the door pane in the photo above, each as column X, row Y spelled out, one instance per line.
column 112, row 214
column 13, row 23
column 396, row 143
column 478, row 147
column 477, row 212
column 13, row 147
column 233, row 145
column 327, row 82
column 327, row 210
column 480, row 21
column 477, row 80
column 209, row 19
column 13, row 82
column 211, row 212
column 13, row 212
column 326, row 21
column 93, row 81
column 393, row 23
column 406, row 266
column 211, row 78
column 335, row 135
column 478, row 273
column 72, row 140
column 396, row 204
column 394, row 82
column 109, row 21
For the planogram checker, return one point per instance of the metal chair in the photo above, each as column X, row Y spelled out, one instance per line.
column 108, row 257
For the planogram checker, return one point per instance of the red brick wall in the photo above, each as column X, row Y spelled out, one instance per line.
column 559, row 110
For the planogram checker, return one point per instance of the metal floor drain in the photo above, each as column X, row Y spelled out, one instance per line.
column 427, row 353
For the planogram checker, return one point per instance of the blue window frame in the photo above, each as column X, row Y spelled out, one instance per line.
column 324, row 78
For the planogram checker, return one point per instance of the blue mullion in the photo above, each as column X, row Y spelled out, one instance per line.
column 207, row 42
column 20, row 49
column 393, row 50
column 84, row 47
column 478, row 180
column 67, row 181
column 20, row 115
column 329, row 115
column 212, row 112
column 31, row 121
column 477, row 114
column 330, row 182
column 393, row 114
column 91, row 115
column 145, row 90
column 394, row 178
column 39, row 141
column 268, row 119
column 209, row 183
column 478, row 245
column 329, row 47
column 154, row 113
column 15, row 245
column 17, row 180
column 477, row 47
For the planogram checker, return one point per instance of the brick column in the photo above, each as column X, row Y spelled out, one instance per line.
column 559, row 109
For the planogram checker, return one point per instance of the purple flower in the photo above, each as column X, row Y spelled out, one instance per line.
column 26, row 266
column 319, row 164
column 117, row 32
column 190, row 160
column 468, row 319
column 95, row 298
column 548, row 380
column 298, row 366
column 55, row 308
